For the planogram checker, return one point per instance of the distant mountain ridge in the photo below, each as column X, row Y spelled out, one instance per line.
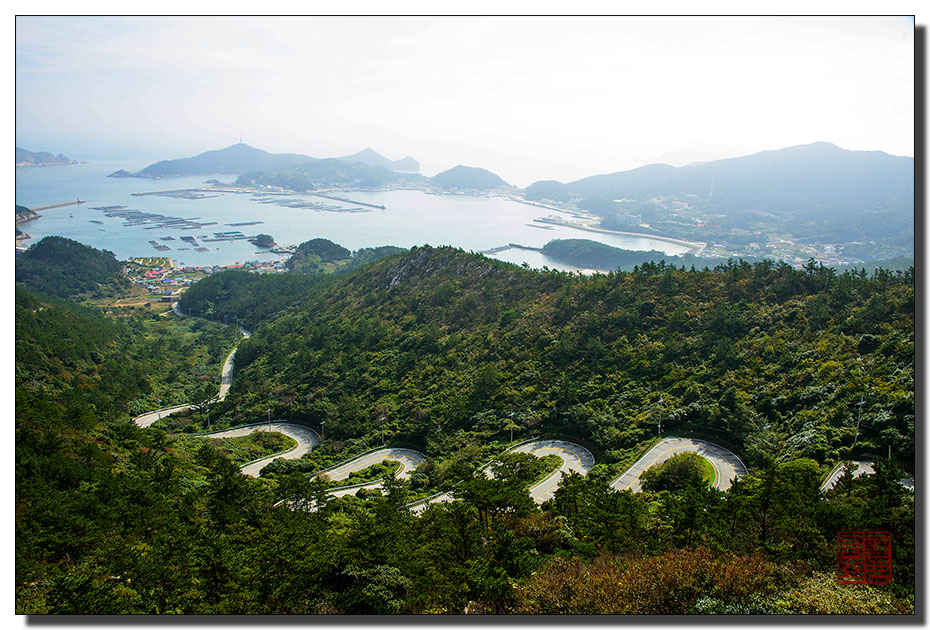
column 373, row 158
column 40, row 158
column 241, row 158
column 234, row 159
column 818, row 177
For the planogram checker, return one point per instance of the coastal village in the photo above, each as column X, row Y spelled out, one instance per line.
column 166, row 283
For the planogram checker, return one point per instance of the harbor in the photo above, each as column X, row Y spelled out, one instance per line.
column 415, row 218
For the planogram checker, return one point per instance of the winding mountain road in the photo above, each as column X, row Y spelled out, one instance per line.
column 409, row 461
column 226, row 373
column 575, row 458
column 862, row 467
column 727, row 465
column 305, row 437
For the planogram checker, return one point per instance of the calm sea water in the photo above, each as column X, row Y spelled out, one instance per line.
column 409, row 218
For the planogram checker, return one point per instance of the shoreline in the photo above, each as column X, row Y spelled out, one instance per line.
column 327, row 192
column 694, row 247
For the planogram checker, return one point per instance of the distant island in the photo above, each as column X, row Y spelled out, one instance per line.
column 328, row 174
column 842, row 207
column 234, row 159
column 41, row 158
column 469, row 178
column 241, row 158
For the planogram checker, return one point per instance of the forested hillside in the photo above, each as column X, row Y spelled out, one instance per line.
column 65, row 268
column 766, row 357
column 449, row 352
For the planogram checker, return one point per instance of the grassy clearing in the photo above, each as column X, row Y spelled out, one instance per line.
column 708, row 473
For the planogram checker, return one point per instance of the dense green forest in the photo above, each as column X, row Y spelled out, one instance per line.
column 328, row 173
column 453, row 350
column 65, row 268
column 589, row 254
column 251, row 299
column 468, row 178
column 320, row 255
column 769, row 358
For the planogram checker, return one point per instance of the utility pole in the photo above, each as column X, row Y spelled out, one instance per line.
column 859, row 404
column 269, row 418
column 323, row 430
column 660, row 417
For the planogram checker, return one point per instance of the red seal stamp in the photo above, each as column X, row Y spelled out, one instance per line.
column 863, row 558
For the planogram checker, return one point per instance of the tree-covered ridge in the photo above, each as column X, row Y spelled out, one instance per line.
column 315, row 251
column 468, row 178
column 590, row 254
column 240, row 296
column 769, row 358
column 320, row 255
column 234, row 159
column 326, row 173
column 65, row 268
column 250, row 299
column 111, row 518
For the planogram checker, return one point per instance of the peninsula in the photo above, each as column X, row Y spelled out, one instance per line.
column 41, row 158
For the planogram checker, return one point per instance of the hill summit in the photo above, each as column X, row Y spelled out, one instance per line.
column 234, row 159
column 469, row 178
column 373, row 158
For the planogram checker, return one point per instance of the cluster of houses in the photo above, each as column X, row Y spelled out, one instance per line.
column 171, row 282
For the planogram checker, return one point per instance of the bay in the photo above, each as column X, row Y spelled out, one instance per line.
column 410, row 218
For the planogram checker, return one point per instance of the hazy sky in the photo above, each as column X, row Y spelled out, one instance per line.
column 526, row 97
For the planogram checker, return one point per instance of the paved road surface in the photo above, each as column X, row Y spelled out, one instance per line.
column 306, row 439
column 226, row 375
column 862, row 467
column 727, row 466
column 225, row 381
column 575, row 458
column 148, row 418
column 408, row 458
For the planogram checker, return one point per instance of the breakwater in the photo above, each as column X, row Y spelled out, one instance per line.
column 343, row 199
column 502, row 248
column 57, row 205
